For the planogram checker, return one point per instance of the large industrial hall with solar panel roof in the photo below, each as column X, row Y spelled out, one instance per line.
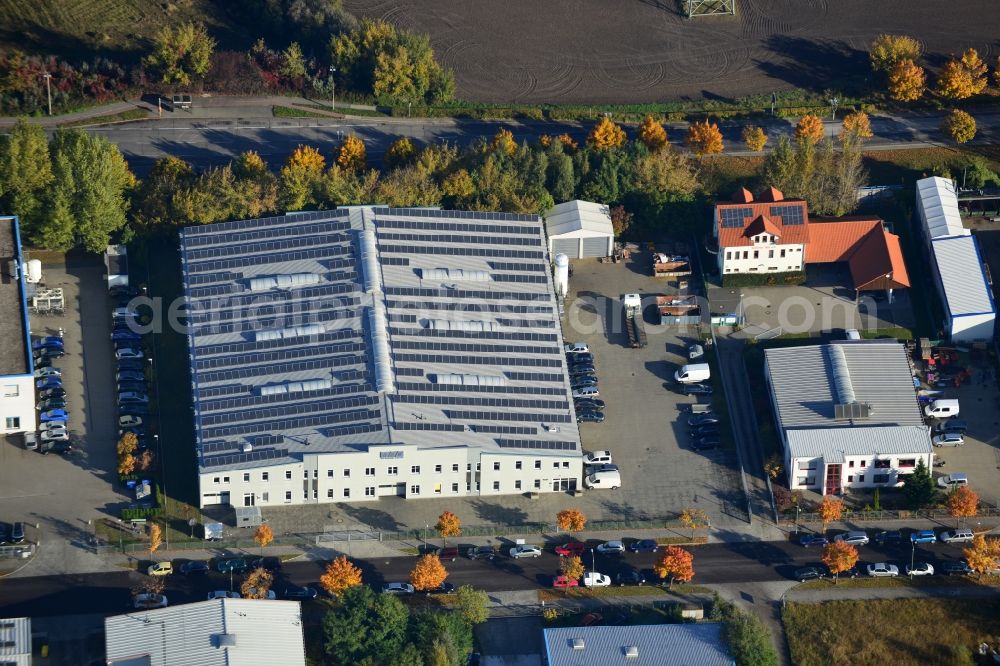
column 368, row 352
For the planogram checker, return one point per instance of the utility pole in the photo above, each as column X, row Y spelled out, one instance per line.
column 48, row 89
column 834, row 102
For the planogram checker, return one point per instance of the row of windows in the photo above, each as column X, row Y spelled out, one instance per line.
column 394, row 470
column 884, row 463
column 735, row 254
column 876, row 478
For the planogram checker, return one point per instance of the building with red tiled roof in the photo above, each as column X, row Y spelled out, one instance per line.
column 771, row 234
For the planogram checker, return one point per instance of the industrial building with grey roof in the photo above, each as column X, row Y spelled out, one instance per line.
column 659, row 644
column 847, row 413
column 364, row 352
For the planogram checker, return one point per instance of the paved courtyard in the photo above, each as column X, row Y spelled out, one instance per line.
column 642, row 430
column 63, row 495
column 825, row 304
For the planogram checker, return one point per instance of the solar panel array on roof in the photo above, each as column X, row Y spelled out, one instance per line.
column 296, row 347
column 735, row 217
column 790, row 215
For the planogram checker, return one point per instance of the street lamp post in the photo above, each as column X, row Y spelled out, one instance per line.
column 834, row 102
column 48, row 89
column 913, row 552
column 593, row 560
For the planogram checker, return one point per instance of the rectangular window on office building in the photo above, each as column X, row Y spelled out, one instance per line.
column 454, row 487
column 329, row 493
column 13, row 422
column 347, row 492
column 264, row 476
column 246, row 476
column 265, row 498
column 415, row 469
column 288, row 496
column 437, row 468
column 288, row 474
column 370, row 491
column 454, row 467
column 496, row 466
column 518, row 464
column 369, row 471
column 414, row 490
column 496, row 485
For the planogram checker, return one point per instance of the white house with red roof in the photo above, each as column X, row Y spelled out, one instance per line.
column 772, row 234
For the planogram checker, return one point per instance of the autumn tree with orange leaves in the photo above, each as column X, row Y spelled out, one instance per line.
column 810, row 128
column 571, row 567
column 963, row 503
column 839, row 556
column 571, row 520
column 754, row 137
column 340, row 574
column 676, row 563
column 907, row 81
column 606, row 134
column 963, row 77
column 352, row 155
column 503, row 142
column 830, row 510
column 888, row 50
column 155, row 537
column 652, row 134
column 856, row 126
column 448, row 525
column 257, row 584
column 704, row 138
column 983, row 554
column 428, row 574
column 263, row 535
column 301, row 177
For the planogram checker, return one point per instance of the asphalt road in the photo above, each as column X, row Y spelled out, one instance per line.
column 719, row 563
column 210, row 142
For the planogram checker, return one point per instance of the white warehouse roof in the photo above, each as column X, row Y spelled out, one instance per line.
column 859, row 441
column 966, row 289
column 639, row 645
column 809, row 382
column 578, row 219
column 937, row 203
column 223, row 632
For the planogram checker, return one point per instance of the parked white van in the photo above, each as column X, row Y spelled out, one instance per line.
column 694, row 372
column 942, row 409
column 604, row 479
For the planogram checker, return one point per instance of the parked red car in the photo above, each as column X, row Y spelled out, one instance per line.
column 450, row 554
column 563, row 581
column 571, row 548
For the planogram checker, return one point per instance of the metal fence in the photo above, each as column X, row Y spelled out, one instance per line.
column 885, row 514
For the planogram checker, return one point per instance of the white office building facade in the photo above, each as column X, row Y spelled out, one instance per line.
column 17, row 384
column 349, row 355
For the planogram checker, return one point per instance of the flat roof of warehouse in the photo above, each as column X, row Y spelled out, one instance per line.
column 467, row 348
column 14, row 358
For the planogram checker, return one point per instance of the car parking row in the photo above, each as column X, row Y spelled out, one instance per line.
column 583, row 383
column 131, row 383
column 53, row 416
column 891, row 537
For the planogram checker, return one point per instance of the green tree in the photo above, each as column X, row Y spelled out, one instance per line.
column 408, row 186
column 960, row 126
column 560, row 178
column 918, row 487
column 87, row 198
column 433, row 631
column 153, row 200
column 410, row 656
column 344, row 187
column 181, row 52
column 472, row 604
column 364, row 625
column 976, row 172
column 301, row 178
column 887, row 50
column 293, row 63
column 400, row 152
column 25, row 174
column 748, row 639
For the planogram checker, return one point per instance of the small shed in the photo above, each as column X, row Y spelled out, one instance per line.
column 580, row 229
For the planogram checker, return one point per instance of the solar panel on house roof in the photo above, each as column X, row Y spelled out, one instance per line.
column 789, row 214
column 735, row 217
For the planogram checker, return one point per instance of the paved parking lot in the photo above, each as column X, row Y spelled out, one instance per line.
column 58, row 493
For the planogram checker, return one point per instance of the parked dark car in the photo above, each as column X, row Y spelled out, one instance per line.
column 269, row 563
column 949, row 568
column 644, row 546
column 45, row 448
column 813, row 540
column 590, row 417
column 443, row 588
column 807, row 573
column 699, row 420
column 885, row 538
column 577, row 370
column 481, row 553
column 850, row 573
column 702, row 431
column 4, row 533
column 449, row 553
column 233, row 564
column 299, row 592
column 575, row 359
column 49, row 394
column 629, row 577
column 586, row 404
column 17, row 533
column 195, row 567
column 706, row 443
column 697, row 389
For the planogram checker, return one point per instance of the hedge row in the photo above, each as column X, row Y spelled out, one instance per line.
column 762, row 279
column 139, row 514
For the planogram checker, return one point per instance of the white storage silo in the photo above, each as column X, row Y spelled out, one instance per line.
column 562, row 274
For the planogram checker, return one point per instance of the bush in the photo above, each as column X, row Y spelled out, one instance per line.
column 140, row 514
column 763, row 279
